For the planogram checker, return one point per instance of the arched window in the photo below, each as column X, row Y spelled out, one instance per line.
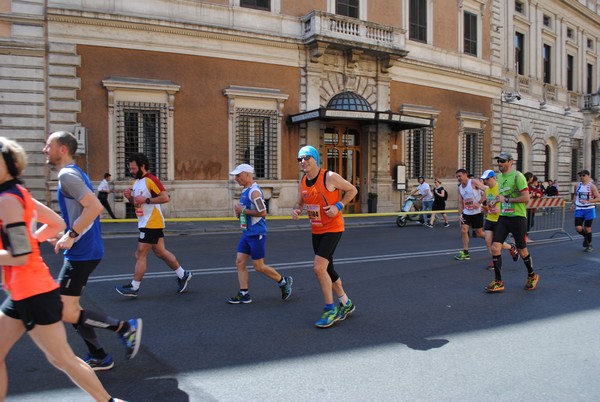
column 520, row 156
column 548, row 163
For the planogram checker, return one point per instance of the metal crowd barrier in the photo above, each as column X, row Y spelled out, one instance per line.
column 548, row 215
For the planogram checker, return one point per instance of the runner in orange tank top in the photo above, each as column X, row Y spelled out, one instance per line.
column 33, row 303
column 318, row 192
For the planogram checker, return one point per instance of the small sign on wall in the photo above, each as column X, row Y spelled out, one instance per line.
column 400, row 177
column 81, row 135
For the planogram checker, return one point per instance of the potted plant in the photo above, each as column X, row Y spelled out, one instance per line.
column 372, row 202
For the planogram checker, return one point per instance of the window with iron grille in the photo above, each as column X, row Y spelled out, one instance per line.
column 472, row 150
column 576, row 158
column 257, row 4
column 470, row 33
column 417, row 26
column 419, row 152
column 256, row 141
column 349, row 8
column 142, row 127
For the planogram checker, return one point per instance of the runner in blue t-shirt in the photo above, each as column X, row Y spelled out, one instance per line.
column 252, row 212
column 83, row 251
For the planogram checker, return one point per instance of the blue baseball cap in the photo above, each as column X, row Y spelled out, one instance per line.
column 487, row 174
column 308, row 150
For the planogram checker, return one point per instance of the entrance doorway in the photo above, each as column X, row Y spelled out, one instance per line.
column 343, row 150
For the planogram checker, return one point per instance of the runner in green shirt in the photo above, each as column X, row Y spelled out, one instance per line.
column 513, row 195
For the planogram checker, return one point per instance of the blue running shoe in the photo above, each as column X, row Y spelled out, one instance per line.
column 286, row 290
column 183, row 282
column 127, row 290
column 99, row 364
column 240, row 299
column 328, row 318
column 132, row 338
column 343, row 311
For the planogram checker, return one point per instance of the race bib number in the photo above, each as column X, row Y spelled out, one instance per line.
column 492, row 206
column 469, row 203
column 314, row 214
column 507, row 207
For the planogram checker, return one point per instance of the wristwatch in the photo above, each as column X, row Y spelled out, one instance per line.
column 73, row 234
column 147, row 200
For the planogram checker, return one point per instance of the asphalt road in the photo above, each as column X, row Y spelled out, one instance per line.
column 423, row 330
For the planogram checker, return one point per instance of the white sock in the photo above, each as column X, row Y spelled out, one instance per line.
column 180, row 272
column 343, row 299
column 135, row 284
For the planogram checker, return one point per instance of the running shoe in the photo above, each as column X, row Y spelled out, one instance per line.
column 514, row 253
column 446, row 225
column 286, row 290
column 98, row 364
column 462, row 255
column 589, row 248
column 345, row 310
column 495, row 286
column 183, row 282
column 490, row 267
column 127, row 290
column 132, row 338
column 532, row 281
column 240, row 299
column 429, row 225
column 328, row 318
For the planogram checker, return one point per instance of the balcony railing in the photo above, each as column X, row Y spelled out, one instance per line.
column 591, row 102
column 336, row 28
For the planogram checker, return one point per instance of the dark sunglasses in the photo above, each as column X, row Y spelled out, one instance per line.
column 582, row 175
column 501, row 160
column 305, row 158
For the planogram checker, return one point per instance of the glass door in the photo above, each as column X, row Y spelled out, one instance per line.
column 342, row 150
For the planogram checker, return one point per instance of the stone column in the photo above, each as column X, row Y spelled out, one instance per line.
column 379, row 166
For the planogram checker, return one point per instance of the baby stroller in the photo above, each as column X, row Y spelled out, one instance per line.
column 412, row 204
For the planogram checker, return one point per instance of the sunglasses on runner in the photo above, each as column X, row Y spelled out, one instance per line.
column 501, row 160
column 305, row 158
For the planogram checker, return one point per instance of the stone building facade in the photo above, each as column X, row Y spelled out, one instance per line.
column 387, row 90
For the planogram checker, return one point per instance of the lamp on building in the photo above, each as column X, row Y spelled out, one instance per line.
column 508, row 97
column 511, row 96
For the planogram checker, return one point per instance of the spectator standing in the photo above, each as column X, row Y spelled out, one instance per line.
column 551, row 190
column 534, row 192
column 146, row 194
column 103, row 192
column 439, row 203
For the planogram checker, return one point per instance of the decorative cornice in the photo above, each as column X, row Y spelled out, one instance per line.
column 156, row 26
column 449, row 71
